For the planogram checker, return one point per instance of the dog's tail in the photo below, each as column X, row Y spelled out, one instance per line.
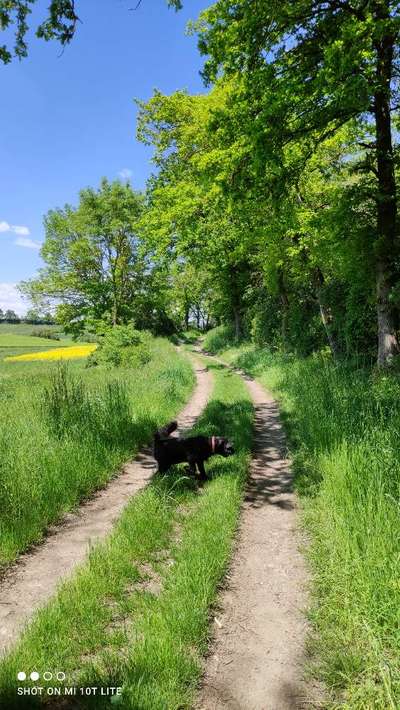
column 165, row 431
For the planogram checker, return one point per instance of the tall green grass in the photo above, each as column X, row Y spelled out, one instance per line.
column 219, row 338
column 64, row 431
column 344, row 428
column 106, row 626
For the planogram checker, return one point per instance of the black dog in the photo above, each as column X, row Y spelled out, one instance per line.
column 195, row 450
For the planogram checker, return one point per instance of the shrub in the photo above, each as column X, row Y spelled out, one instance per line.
column 45, row 333
column 87, row 338
column 122, row 346
column 219, row 338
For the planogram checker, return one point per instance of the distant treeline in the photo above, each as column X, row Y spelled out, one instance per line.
column 32, row 317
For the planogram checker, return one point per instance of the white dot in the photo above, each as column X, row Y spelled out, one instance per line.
column 47, row 675
column 21, row 675
column 35, row 675
column 60, row 675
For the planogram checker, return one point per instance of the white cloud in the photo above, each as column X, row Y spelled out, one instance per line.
column 17, row 229
column 27, row 242
column 10, row 298
column 125, row 173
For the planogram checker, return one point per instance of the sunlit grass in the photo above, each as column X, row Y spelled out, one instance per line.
column 344, row 430
column 65, row 430
column 105, row 628
column 69, row 353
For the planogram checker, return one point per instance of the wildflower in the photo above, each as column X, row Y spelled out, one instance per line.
column 68, row 353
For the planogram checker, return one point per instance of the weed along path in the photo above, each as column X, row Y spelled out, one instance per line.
column 257, row 656
column 30, row 582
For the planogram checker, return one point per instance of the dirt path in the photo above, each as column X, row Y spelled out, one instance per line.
column 30, row 582
column 257, row 657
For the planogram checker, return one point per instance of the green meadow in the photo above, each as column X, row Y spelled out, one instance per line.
column 65, row 429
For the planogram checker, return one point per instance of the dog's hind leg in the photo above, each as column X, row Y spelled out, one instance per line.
column 192, row 465
column 202, row 470
column 162, row 467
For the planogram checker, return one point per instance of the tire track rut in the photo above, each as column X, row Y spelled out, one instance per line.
column 257, row 657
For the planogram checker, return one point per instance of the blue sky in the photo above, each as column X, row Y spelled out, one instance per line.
column 68, row 120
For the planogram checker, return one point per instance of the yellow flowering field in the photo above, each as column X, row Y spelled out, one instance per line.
column 68, row 353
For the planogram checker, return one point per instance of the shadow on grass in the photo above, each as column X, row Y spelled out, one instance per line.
column 327, row 406
column 272, row 476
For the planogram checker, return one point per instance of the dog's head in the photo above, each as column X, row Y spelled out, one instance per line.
column 224, row 447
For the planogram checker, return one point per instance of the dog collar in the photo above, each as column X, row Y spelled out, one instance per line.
column 213, row 444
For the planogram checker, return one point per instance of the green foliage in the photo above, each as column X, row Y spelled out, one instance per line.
column 98, row 268
column 189, row 219
column 69, row 409
column 296, row 269
column 45, row 333
column 92, row 256
column 60, row 24
column 122, row 346
column 219, row 339
column 10, row 316
column 307, row 70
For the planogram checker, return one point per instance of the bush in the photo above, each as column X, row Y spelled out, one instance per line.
column 265, row 323
column 219, row 338
column 122, row 346
column 87, row 338
column 45, row 333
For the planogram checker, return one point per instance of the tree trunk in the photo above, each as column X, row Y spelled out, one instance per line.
column 114, row 310
column 387, row 339
column 285, row 309
column 113, row 268
column 238, row 323
column 386, row 205
column 236, row 298
column 187, row 310
column 325, row 316
column 325, row 322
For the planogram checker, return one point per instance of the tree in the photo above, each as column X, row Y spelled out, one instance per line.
column 33, row 316
column 94, row 263
column 310, row 67
column 11, row 317
column 191, row 294
column 189, row 215
column 37, row 317
column 60, row 23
